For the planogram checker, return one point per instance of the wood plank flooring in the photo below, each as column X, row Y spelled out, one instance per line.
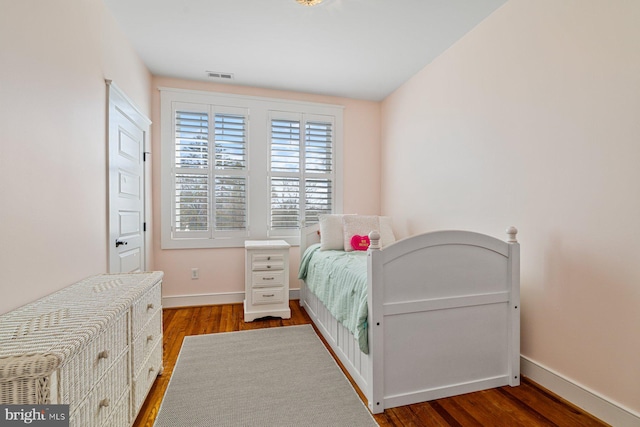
column 526, row 405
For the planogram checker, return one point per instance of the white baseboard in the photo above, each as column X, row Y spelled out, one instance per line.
column 592, row 402
column 194, row 300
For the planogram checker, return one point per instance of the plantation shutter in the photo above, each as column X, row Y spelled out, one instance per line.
column 191, row 180
column 236, row 167
column 318, row 170
column 231, row 172
column 285, row 173
column 301, row 171
column 210, row 175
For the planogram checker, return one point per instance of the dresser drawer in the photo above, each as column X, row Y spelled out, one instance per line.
column 268, row 278
column 121, row 415
column 81, row 372
column 146, row 341
column 268, row 296
column 103, row 401
column 144, row 379
column 145, row 308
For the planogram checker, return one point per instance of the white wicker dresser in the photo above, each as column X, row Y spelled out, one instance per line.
column 96, row 345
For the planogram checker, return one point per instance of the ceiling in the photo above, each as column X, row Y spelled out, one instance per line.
column 361, row 49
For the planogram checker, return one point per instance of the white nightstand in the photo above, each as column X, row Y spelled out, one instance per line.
column 266, row 279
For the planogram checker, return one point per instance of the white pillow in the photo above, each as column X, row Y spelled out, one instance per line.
column 386, row 232
column 360, row 225
column 331, row 232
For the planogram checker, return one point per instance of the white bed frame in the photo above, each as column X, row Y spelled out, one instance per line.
column 444, row 317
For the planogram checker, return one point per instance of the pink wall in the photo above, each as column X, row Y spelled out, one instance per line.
column 55, row 57
column 222, row 270
column 533, row 120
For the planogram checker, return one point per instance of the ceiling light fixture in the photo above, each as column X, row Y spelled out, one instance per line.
column 309, row 2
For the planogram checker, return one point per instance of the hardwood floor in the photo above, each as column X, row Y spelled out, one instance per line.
column 526, row 405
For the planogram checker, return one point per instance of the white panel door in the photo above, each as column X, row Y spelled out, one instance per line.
column 128, row 130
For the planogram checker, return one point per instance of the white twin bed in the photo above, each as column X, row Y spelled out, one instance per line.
column 442, row 317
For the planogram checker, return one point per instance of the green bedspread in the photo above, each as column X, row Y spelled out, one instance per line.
column 339, row 280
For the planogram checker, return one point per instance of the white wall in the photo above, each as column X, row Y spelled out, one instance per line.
column 54, row 57
column 533, row 120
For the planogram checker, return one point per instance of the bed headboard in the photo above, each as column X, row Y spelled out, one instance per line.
column 308, row 236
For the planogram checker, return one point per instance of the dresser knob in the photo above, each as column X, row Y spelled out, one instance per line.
column 150, row 306
column 103, row 354
column 104, row 403
column 149, row 337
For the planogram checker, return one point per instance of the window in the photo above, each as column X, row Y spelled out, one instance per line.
column 218, row 149
column 210, row 172
column 301, row 170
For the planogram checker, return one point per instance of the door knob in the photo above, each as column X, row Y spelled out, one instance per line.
column 120, row 242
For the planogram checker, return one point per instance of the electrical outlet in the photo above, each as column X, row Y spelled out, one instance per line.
column 195, row 273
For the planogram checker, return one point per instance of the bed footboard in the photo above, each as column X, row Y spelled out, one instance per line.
column 444, row 312
column 444, row 317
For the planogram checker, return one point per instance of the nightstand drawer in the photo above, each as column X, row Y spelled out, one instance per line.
column 268, row 278
column 268, row 296
column 263, row 258
column 267, row 265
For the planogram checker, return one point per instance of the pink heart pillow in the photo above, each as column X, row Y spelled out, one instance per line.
column 360, row 243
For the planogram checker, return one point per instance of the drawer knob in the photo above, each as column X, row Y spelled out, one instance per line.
column 149, row 337
column 151, row 370
column 150, row 306
column 103, row 354
column 104, row 403
column 268, row 278
column 268, row 258
column 268, row 295
column 268, row 266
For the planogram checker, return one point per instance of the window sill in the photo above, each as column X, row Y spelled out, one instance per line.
column 220, row 243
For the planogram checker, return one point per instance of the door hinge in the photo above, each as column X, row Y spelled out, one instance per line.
column 145, row 154
column 144, row 226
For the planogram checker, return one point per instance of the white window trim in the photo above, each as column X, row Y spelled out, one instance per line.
column 258, row 161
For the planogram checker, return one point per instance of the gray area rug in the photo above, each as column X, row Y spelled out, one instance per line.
column 265, row 377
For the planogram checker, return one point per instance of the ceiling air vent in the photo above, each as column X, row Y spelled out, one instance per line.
column 218, row 75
